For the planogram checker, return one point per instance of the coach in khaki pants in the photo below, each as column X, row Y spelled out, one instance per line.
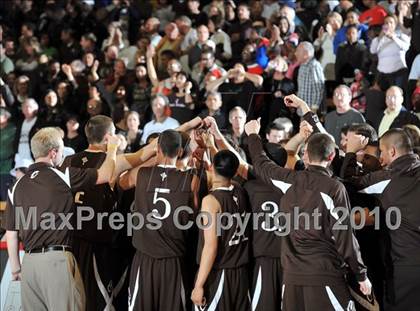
column 49, row 273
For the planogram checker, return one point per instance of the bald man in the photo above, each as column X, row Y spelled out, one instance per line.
column 395, row 115
column 398, row 189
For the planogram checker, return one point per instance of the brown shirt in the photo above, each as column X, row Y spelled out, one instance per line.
column 99, row 197
column 45, row 189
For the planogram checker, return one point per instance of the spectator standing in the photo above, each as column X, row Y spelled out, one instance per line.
column 7, row 152
column 351, row 55
column 391, row 48
column 311, row 79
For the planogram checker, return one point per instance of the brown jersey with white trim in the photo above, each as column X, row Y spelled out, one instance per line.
column 99, row 197
column 162, row 194
column 233, row 245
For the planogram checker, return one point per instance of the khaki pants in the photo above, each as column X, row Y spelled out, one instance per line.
column 51, row 281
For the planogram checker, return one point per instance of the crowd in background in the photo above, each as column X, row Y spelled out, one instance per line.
column 152, row 65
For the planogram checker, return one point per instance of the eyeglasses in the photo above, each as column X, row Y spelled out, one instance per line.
column 340, row 95
column 205, row 59
column 392, row 97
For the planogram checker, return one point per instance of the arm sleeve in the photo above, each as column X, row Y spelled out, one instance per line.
column 266, row 169
column 375, row 45
column 373, row 183
column 345, row 241
column 9, row 216
column 403, row 42
column 313, row 120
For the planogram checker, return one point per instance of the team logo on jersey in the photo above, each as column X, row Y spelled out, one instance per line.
column 163, row 175
column 84, row 160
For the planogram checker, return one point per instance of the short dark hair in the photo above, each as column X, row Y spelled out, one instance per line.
column 273, row 126
column 399, row 139
column 169, row 54
column 217, row 20
column 96, row 128
column 30, row 26
column 320, row 147
column 151, row 136
column 207, row 50
column 366, row 130
column 344, row 130
column 170, row 142
column 226, row 163
column 351, row 26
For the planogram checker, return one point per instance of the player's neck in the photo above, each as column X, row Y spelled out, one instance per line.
column 96, row 148
column 324, row 164
column 221, row 183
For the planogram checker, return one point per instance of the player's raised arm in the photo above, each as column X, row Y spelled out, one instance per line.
column 265, row 168
column 192, row 124
column 106, row 170
column 223, row 144
column 130, row 160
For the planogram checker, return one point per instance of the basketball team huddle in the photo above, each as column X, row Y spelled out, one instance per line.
column 205, row 261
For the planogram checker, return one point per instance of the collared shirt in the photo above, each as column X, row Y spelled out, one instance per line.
column 311, row 83
column 387, row 119
column 45, row 193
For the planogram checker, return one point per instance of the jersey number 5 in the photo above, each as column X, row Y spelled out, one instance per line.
column 165, row 202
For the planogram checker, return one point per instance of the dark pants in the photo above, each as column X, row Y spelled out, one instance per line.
column 316, row 298
column 104, row 273
column 398, row 78
column 227, row 290
column 405, row 287
column 267, row 284
column 156, row 284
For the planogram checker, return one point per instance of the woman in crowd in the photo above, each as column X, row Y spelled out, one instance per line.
column 391, row 47
column 133, row 134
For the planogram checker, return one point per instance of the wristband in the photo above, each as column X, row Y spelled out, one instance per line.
column 110, row 146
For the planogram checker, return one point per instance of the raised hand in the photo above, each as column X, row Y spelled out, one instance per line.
column 356, row 142
column 150, row 52
column 253, row 127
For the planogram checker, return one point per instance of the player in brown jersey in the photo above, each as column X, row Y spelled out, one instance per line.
column 222, row 279
column 103, row 266
column 157, row 272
